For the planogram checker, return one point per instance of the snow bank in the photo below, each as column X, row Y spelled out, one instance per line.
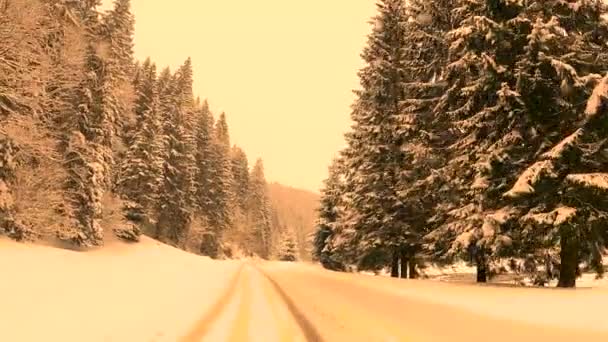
column 141, row 292
column 548, row 307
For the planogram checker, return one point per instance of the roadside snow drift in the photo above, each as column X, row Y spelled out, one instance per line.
column 141, row 292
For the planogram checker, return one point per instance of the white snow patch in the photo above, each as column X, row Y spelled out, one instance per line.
column 595, row 180
column 141, row 292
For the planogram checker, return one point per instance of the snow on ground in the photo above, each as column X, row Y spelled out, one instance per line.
column 582, row 309
column 152, row 292
column 255, row 313
column 141, row 292
column 462, row 272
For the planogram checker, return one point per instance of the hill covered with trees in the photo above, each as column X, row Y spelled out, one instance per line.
column 94, row 143
column 296, row 209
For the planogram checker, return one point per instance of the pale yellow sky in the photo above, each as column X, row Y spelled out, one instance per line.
column 282, row 70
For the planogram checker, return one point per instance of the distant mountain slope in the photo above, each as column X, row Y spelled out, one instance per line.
column 296, row 209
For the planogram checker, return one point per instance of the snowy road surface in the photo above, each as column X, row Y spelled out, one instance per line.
column 151, row 292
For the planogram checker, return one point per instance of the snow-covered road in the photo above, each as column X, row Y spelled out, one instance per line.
column 151, row 292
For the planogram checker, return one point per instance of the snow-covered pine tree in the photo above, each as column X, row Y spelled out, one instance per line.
column 86, row 157
column 419, row 131
column 141, row 167
column 205, row 155
column 240, row 173
column 563, row 196
column 175, row 192
column 373, row 157
column 288, row 249
column 116, row 50
column 328, row 217
column 224, row 200
column 504, row 57
column 565, row 56
column 118, row 31
column 488, row 128
column 259, row 212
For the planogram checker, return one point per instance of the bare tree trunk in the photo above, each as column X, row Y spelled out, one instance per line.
column 482, row 267
column 395, row 265
column 404, row 262
column 569, row 260
column 413, row 272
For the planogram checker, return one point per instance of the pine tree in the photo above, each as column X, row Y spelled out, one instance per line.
column 564, row 59
column 328, row 220
column 240, row 173
column 419, row 130
column 118, row 31
column 504, row 56
column 564, row 190
column 288, row 250
column 374, row 157
column 488, row 127
column 206, row 159
column 223, row 184
column 175, row 202
column 259, row 212
column 86, row 157
column 140, row 172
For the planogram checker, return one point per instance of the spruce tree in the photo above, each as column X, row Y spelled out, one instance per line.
column 240, row 173
column 140, row 172
column 374, row 158
column 206, row 159
column 259, row 212
column 175, row 191
column 328, row 220
column 118, row 29
column 288, row 249
column 86, row 157
column 488, row 126
column 564, row 59
column 223, row 184
column 504, row 57
column 419, row 130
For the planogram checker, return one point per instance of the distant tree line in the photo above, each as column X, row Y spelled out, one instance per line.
column 479, row 134
column 92, row 141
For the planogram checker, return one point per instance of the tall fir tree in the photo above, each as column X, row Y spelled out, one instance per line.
column 206, row 158
column 175, row 200
column 259, row 212
column 564, row 58
column 224, row 195
column 504, row 56
column 140, row 172
column 419, row 130
column 287, row 249
column 373, row 156
column 240, row 173
column 327, row 225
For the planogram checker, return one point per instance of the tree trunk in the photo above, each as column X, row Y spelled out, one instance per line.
column 569, row 260
column 395, row 265
column 482, row 267
column 413, row 273
column 404, row 261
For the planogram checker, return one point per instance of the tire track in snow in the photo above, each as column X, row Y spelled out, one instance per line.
column 288, row 329
column 308, row 329
column 203, row 325
column 240, row 327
